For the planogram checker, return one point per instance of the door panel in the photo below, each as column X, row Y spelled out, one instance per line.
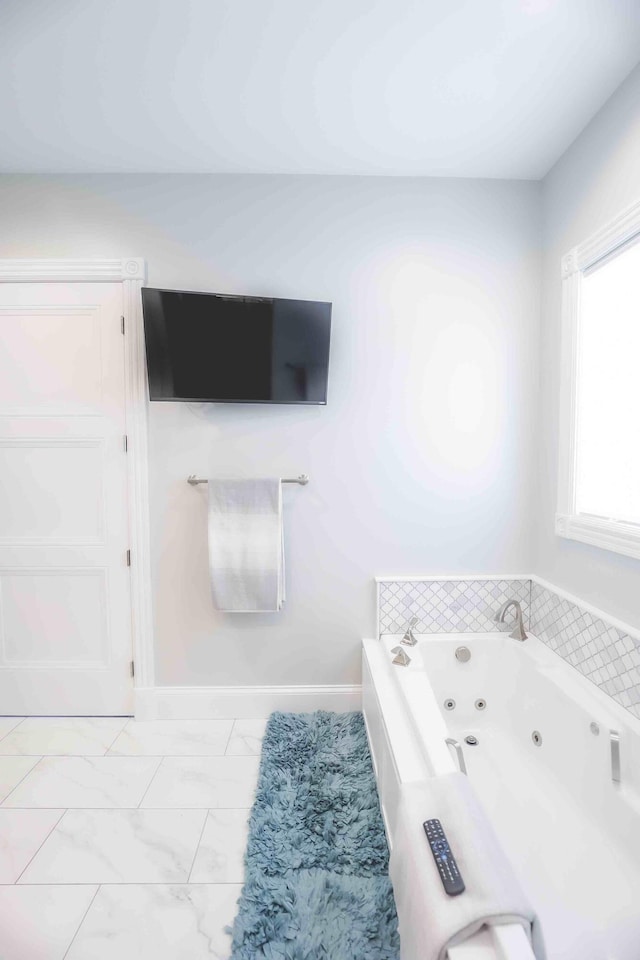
column 65, row 626
column 65, row 618
column 50, row 355
column 70, row 509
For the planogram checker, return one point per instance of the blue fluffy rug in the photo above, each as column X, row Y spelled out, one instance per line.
column 316, row 883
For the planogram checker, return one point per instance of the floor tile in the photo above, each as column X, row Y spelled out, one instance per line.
column 159, row 922
column 85, row 782
column 22, row 832
column 220, row 856
column 203, row 782
column 119, row 846
column 38, row 923
column 246, row 738
column 12, row 770
column 9, row 723
column 166, row 738
column 49, row 736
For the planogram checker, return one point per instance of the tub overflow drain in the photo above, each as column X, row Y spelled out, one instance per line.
column 471, row 740
column 463, row 654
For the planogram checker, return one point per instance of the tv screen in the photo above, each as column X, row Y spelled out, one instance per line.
column 228, row 349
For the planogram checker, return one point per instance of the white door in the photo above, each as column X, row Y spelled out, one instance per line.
column 65, row 614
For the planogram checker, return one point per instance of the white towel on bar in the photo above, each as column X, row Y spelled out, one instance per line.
column 431, row 921
column 246, row 545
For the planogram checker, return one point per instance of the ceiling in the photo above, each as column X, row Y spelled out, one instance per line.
column 465, row 88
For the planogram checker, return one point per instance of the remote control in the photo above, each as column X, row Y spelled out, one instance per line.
column 445, row 861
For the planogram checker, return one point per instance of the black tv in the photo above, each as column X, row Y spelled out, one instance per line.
column 228, row 349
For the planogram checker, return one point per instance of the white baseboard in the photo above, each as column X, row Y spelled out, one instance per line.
column 203, row 703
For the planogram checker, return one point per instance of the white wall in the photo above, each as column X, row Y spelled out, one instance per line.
column 423, row 459
column 596, row 178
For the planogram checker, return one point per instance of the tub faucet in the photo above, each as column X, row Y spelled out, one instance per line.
column 518, row 632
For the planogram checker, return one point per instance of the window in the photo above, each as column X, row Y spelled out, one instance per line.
column 599, row 479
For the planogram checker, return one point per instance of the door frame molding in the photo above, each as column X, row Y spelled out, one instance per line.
column 131, row 273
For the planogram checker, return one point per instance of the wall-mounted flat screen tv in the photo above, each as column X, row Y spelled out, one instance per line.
column 229, row 349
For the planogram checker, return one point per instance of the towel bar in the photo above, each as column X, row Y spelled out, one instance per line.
column 303, row 480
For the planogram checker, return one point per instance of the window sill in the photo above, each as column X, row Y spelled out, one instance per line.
column 607, row 534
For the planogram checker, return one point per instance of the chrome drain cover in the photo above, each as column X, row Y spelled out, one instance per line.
column 471, row 740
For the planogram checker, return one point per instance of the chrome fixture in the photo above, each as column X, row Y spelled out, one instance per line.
column 409, row 638
column 459, row 754
column 614, row 739
column 303, row 480
column 449, row 704
column 463, row 654
column 536, row 736
column 401, row 658
column 594, row 727
column 518, row 632
column 471, row 740
column 480, row 704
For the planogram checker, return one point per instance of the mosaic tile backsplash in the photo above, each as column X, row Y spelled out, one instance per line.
column 603, row 654
column 448, row 606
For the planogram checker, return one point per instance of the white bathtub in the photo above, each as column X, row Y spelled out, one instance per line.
column 570, row 831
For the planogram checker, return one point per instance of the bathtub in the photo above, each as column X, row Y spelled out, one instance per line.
column 556, row 767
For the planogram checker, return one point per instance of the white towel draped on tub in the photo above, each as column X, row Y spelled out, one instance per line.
column 431, row 921
column 246, row 545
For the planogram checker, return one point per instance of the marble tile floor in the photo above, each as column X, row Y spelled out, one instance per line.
column 120, row 839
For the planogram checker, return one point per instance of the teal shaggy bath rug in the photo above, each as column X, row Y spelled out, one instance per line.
column 316, row 883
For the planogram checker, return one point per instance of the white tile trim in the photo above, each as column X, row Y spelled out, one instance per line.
column 253, row 702
column 461, row 577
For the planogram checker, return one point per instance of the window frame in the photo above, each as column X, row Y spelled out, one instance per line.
column 614, row 535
